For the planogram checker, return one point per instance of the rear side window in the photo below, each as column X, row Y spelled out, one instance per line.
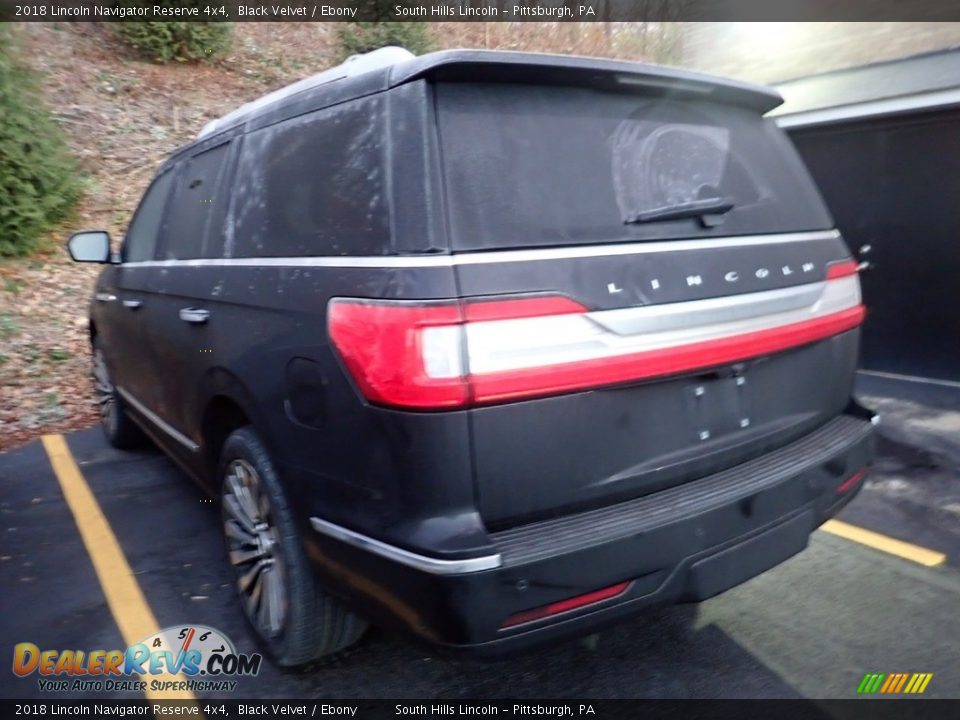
column 530, row 166
column 140, row 242
column 313, row 185
column 194, row 227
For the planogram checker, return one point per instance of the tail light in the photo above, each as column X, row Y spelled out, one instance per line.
column 401, row 354
column 842, row 269
column 450, row 354
column 564, row 606
column 851, row 482
column 414, row 355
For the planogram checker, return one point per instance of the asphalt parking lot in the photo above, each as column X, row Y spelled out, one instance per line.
column 811, row 627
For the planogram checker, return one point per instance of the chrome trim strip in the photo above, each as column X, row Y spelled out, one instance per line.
column 157, row 421
column 641, row 248
column 405, row 557
column 693, row 313
column 873, row 108
column 501, row 256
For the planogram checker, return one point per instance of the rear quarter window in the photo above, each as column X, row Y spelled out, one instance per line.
column 313, row 185
column 531, row 166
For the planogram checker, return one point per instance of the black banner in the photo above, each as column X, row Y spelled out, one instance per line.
column 860, row 709
column 478, row 10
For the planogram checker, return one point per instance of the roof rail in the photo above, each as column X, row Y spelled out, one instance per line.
column 353, row 65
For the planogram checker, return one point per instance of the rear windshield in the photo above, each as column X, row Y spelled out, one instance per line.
column 529, row 166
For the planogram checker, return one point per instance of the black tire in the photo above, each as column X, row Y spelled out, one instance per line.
column 312, row 624
column 120, row 429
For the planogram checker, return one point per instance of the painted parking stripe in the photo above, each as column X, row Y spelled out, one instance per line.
column 884, row 543
column 130, row 610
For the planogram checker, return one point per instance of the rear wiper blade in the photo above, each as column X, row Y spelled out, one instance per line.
column 694, row 208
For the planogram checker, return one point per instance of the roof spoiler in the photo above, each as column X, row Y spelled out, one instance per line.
column 592, row 72
column 540, row 68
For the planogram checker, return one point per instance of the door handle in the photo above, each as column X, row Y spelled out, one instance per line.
column 132, row 304
column 105, row 297
column 194, row 315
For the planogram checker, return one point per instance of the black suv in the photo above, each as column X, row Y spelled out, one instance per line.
column 492, row 347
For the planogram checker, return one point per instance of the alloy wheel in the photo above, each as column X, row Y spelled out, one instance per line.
column 254, row 548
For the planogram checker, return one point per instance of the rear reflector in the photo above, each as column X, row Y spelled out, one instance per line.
column 448, row 354
column 567, row 605
column 851, row 482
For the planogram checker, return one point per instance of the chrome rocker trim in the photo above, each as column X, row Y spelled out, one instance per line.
column 157, row 421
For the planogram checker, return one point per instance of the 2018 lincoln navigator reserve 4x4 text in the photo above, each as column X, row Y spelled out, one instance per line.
column 490, row 347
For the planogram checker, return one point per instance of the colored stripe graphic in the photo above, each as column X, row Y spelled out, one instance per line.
column 918, row 683
column 894, row 683
column 871, row 683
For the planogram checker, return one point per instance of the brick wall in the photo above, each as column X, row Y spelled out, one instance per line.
column 774, row 52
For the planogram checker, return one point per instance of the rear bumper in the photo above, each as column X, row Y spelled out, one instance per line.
column 684, row 544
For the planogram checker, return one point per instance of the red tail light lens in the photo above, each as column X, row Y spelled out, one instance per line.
column 382, row 345
column 841, row 269
column 413, row 354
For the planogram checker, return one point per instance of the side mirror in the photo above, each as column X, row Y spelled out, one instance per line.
column 90, row 246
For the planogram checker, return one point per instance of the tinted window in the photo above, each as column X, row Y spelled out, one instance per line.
column 313, row 185
column 194, row 228
column 527, row 166
column 140, row 242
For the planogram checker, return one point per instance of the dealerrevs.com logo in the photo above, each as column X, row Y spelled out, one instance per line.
column 202, row 656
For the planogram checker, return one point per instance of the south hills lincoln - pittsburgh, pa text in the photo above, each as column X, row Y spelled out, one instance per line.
column 510, row 12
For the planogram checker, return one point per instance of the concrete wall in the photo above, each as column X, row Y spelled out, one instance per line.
column 774, row 52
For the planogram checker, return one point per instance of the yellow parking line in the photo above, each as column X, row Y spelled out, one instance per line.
column 130, row 609
column 878, row 541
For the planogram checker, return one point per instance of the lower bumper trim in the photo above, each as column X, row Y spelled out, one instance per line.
column 720, row 571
